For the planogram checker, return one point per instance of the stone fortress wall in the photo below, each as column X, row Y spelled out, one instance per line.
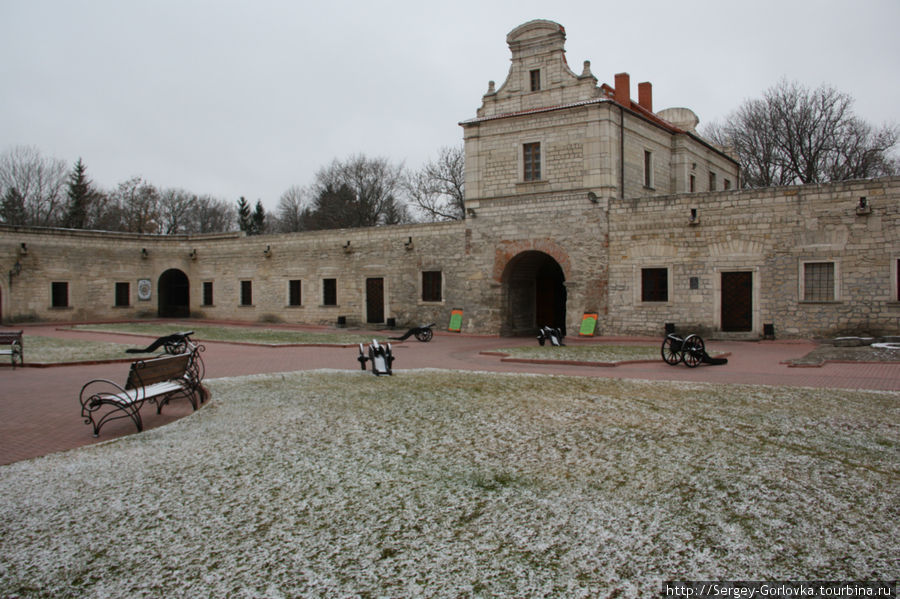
column 578, row 199
column 601, row 249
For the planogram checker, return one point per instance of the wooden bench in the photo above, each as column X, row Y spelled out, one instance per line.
column 155, row 380
column 15, row 352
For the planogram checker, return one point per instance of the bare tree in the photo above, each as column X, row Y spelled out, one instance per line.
column 174, row 211
column 105, row 213
column 358, row 192
column 211, row 215
column 38, row 181
column 796, row 135
column 290, row 209
column 139, row 202
column 437, row 190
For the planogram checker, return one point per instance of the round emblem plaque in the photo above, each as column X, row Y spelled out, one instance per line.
column 144, row 288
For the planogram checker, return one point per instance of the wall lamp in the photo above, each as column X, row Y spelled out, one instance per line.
column 408, row 244
column 268, row 251
column 144, row 253
column 471, row 212
column 193, row 254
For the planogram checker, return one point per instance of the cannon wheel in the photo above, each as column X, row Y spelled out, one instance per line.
column 671, row 350
column 424, row 335
column 693, row 350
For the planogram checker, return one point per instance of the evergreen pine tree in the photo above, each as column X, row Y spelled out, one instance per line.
column 80, row 197
column 243, row 213
column 259, row 219
column 12, row 208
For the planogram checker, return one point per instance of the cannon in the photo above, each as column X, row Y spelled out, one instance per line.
column 380, row 356
column 691, row 350
column 553, row 335
column 422, row 332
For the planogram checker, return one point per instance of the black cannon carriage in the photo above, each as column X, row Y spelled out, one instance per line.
column 691, row 350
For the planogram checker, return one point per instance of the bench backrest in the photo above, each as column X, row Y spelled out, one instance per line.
column 7, row 337
column 157, row 370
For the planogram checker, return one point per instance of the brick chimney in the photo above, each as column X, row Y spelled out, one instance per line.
column 623, row 89
column 645, row 95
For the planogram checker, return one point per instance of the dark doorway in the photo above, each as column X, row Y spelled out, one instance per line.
column 173, row 294
column 737, row 301
column 534, row 294
column 375, row 300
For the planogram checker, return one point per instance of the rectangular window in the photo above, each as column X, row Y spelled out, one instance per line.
column 294, row 292
column 726, row 183
column 207, row 293
column 59, row 294
column 648, row 168
column 532, row 159
column 693, row 184
column 329, row 292
column 535, row 80
column 431, row 286
column 246, row 293
column 712, row 181
column 654, row 285
column 818, row 282
column 123, row 294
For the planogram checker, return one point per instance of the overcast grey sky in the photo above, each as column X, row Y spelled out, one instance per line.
column 249, row 98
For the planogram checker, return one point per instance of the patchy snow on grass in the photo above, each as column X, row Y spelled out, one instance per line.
column 446, row 484
column 585, row 353
column 47, row 350
column 234, row 334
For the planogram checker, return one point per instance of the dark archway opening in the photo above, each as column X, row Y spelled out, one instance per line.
column 173, row 294
column 534, row 294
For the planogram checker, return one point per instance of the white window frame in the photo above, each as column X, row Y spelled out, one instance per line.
column 241, row 303
column 639, row 284
column 648, row 169
column 288, row 290
column 540, row 77
column 801, row 276
column 520, row 151
column 421, row 286
column 895, row 278
column 337, row 299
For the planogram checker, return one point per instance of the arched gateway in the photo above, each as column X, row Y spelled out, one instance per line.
column 533, row 294
column 173, row 294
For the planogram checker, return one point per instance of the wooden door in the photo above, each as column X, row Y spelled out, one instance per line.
column 737, row 301
column 375, row 300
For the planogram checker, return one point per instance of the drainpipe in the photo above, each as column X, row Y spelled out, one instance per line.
column 621, row 152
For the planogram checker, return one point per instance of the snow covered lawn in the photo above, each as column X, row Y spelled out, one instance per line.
column 260, row 335
column 586, row 353
column 47, row 350
column 448, row 484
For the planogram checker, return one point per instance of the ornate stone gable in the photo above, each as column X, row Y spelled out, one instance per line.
column 539, row 76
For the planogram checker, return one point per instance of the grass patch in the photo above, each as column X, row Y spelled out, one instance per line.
column 53, row 350
column 233, row 334
column 585, row 353
column 448, row 484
